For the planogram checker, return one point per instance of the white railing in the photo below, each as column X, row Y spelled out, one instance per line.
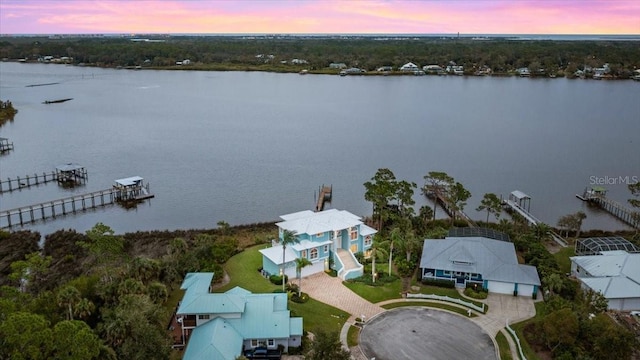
column 515, row 336
column 336, row 257
column 447, row 299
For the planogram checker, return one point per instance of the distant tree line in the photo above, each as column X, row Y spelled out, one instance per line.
column 503, row 56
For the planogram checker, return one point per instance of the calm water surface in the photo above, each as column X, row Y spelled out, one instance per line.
column 247, row 146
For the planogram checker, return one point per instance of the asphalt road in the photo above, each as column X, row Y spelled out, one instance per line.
column 417, row 333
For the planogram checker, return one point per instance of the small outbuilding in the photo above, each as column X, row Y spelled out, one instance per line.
column 132, row 188
column 71, row 174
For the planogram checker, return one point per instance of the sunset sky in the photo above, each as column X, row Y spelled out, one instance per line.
column 320, row 16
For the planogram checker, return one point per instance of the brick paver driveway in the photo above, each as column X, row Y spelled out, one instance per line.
column 331, row 291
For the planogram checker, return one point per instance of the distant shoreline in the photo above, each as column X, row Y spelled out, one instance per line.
column 300, row 70
column 570, row 56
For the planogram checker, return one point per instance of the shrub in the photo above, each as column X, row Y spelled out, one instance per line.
column 405, row 268
column 440, row 283
column 292, row 287
column 382, row 279
column 480, row 294
column 277, row 279
column 303, row 298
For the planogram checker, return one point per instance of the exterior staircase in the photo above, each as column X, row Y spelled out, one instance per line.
column 347, row 259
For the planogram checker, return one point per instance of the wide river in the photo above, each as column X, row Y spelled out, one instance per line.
column 246, row 147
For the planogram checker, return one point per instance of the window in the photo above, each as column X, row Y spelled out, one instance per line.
column 332, row 235
column 303, row 253
column 254, row 343
column 319, row 234
column 447, row 272
column 313, row 254
column 271, row 343
column 353, row 233
column 326, row 249
column 203, row 317
column 458, row 273
column 367, row 240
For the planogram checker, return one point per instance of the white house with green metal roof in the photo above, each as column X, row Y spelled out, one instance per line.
column 222, row 325
column 329, row 239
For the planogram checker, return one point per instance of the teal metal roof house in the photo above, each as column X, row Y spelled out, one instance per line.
column 326, row 238
column 221, row 325
column 489, row 263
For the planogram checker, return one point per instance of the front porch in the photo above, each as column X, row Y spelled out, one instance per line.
column 460, row 278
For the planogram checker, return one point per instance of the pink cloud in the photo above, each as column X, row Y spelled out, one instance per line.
column 319, row 16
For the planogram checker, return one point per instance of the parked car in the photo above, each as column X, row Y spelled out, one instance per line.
column 262, row 353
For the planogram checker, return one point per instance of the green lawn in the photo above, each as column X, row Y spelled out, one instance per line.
column 376, row 294
column 562, row 257
column 503, row 347
column 243, row 271
column 353, row 336
column 518, row 328
column 430, row 304
column 319, row 316
column 452, row 293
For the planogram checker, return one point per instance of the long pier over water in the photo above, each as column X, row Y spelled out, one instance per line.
column 324, row 196
column 126, row 191
column 72, row 174
column 446, row 206
column 520, row 203
column 598, row 197
column 60, row 207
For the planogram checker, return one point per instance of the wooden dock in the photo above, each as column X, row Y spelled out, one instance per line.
column 597, row 196
column 64, row 174
column 446, row 206
column 324, row 196
column 71, row 205
column 520, row 203
column 513, row 206
column 19, row 183
column 60, row 207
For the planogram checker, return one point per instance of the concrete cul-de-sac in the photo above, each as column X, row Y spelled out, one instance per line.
column 406, row 333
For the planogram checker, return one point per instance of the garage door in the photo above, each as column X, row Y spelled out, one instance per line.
column 312, row 269
column 525, row 290
column 500, row 287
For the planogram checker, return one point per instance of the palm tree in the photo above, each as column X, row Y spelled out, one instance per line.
column 554, row 283
column 288, row 238
column 84, row 308
column 541, row 231
column 68, row 297
column 376, row 250
column 301, row 263
column 395, row 237
column 144, row 269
